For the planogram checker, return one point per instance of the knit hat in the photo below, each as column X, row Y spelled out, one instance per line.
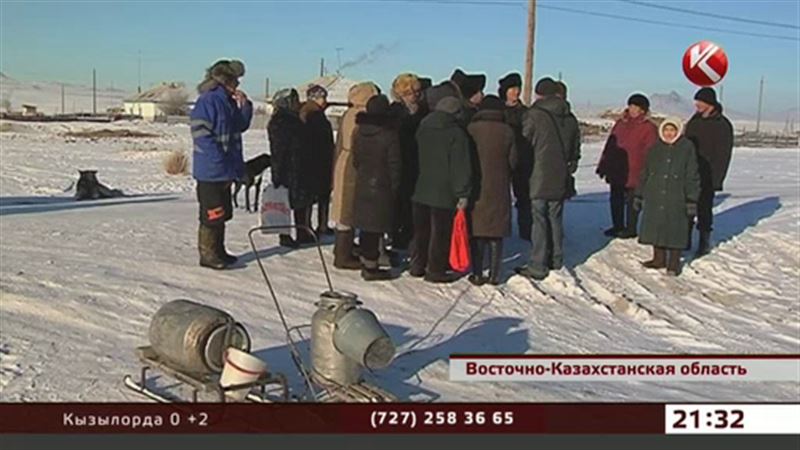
column 639, row 100
column 674, row 121
column 546, row 87
column 491, row 102
column 469, row 85
column 316, row 91
column 283, row 98
column 507, row 82
column 378, row 104
column 706, row 95
column 449, row 105
column 405, row 84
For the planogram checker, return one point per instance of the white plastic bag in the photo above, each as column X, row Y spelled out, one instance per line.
column 275, row 209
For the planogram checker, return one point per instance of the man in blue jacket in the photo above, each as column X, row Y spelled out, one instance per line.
column 220, row 116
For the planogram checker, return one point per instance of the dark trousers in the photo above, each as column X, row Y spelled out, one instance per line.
column 705, row 205
column 369, row 243
column 548, row 235
column 322, row 212
column 431, row 246
column 623, row 214
column 216, row 203
column 404, row 225
column 520, row 184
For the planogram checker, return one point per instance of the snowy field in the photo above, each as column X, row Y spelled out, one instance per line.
column 80, row 281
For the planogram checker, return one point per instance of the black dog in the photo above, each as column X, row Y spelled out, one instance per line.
column 253, row 170
column 89, row 188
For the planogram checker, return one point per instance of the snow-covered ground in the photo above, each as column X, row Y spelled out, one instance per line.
column 80, row 281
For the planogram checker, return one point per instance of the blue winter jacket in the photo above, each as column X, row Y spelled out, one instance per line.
column 217, row 124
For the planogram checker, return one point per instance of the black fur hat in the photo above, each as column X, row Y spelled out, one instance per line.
column 378, row 104
column 507, row 82
column 469, row 85
column 706, row 95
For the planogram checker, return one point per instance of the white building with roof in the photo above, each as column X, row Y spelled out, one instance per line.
column 149, row 104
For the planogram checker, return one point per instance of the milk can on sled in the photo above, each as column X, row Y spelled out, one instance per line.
column 206, row 350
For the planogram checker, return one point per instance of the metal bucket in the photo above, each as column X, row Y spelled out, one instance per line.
column 192, row 337
column 328, row 363
column 360, row 336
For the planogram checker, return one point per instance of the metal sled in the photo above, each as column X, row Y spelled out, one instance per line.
column 201, row 383
column 317, row 389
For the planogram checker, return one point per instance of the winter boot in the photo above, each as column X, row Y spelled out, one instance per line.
column 478, row 250
column 674, row 263
column 527, row 271
column 221, row 251
column 371, row 272
column 704, row 244
column 302, row 217
column 207, row 247
column 447, row 277
column 286, row 241
column 495, row 261
column 322, row 220
column 659, row 259
column 386, row 257
column 343, row 257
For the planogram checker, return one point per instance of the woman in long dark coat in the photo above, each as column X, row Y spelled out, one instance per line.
column 378, row 164
column 495, row 142
column 669, row 189
column 291, row 157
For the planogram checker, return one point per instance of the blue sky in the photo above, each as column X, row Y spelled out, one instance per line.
column 602, row 59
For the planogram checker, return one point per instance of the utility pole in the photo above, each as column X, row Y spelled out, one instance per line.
column 139, row 71
column 760, row 98
column 94, row 91
column 528, row 84
column 322, row 67
column 266, row 89
column 62, row 98
column 721, row 91
column 559, row 75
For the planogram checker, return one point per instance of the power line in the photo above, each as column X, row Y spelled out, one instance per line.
column 714, row 15
column 606, row 15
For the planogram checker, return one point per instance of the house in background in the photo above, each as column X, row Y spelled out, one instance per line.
column 157, row 103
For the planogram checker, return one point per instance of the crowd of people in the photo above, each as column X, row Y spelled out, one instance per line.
column 398, row 170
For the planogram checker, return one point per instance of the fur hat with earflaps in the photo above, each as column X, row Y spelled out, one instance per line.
column 316, row 91
column 285, row 98
column 507, row 82
column 221, row 72
column 675, row 122
column 405, row 84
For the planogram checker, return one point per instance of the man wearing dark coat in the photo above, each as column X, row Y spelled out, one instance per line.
column 509, row 90
column 712, row 135
column 553, row 131
column 320, row 138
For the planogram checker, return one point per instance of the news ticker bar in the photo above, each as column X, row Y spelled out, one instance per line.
column 398, row 418
column 662, row 368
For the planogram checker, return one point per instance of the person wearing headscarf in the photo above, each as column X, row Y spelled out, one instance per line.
column 221, row 114
column 490, row 216
column 668, row 192
column 291, row 160
column 344, row 176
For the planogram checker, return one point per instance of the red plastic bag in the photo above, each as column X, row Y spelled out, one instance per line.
column 459, row 243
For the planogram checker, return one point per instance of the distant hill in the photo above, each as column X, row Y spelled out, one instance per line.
column 46, row 95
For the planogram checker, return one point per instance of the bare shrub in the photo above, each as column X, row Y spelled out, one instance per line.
column 177, row 163
column 175, row 104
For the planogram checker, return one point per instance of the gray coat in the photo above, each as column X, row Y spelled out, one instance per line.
column 669, row 182
column 495, row 142
column 552, row 155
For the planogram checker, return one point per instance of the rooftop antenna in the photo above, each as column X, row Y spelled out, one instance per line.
column 139, row 71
